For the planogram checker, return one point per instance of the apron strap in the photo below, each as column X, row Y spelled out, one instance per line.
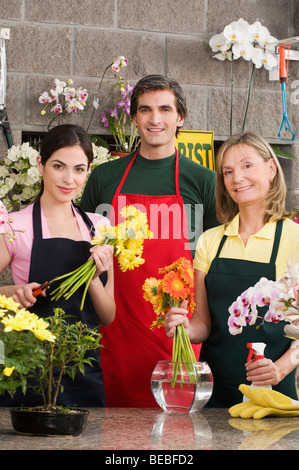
column 125, row 175
column 37, row 222
column 86, row 219
column 278, row 232
column 177, row 190
column 222, row 241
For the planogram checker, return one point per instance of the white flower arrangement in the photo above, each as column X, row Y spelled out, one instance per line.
column 251, row 42
column 20, row 178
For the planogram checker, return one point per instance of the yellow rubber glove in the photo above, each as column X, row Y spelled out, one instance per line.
column 251, row 410
column 244, row 410
column 269, row 398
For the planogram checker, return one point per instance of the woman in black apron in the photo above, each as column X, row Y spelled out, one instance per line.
column 65, row 158
column 250, row 185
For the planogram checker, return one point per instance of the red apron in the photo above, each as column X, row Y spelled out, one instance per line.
column 131, row 350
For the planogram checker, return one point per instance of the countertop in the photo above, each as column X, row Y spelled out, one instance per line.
column 151, row 429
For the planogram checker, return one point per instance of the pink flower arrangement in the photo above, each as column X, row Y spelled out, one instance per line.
column 281, row 297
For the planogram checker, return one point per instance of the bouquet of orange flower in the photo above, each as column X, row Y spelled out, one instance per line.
column 176, row 285
column 127, row 238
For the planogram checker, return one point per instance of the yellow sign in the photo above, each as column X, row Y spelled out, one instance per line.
column 198, row 146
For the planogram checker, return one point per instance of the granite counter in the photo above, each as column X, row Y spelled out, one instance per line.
column 115, row 429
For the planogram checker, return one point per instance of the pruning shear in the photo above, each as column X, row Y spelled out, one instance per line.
column 283, row 78
column 39, row 289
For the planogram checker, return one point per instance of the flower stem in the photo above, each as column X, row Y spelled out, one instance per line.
column 231, row 96
column 99, row 87
column 248, row 96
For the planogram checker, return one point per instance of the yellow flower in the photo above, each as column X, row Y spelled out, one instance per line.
column 8, row 371
column 24, row 320
column 8, row 303
column 127, row 261
column 151, row 287
column 157, row 323
column 43, row 334
column 129, row 212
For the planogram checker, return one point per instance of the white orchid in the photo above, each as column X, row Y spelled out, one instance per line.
column 242, row 39
column 252, row 43
column 258, row 33
column 244, row 50
column 237, row 31
column 262, row 58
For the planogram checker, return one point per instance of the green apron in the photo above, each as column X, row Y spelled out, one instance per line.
column 227, row 354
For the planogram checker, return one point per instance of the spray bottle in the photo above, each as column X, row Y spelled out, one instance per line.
column 256, row 351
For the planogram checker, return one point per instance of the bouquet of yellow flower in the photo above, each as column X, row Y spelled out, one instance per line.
column 127, row 238
column 176, row 285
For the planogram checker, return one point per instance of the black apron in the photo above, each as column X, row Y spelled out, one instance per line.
column 227, row 354
column 51, row 257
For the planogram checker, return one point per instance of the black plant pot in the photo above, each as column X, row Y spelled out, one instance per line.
column 46, row 423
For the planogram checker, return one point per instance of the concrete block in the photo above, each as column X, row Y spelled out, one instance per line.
column 36, row 49
column 191, row 61
column 84, row 12
column 196, row 98
column 168, row 16
column 274, row 14
column 94, row 50
column 11, row 10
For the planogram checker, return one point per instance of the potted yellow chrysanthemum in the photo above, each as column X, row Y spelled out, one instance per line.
column 30, row 349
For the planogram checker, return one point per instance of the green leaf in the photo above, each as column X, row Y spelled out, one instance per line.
column 283, row 153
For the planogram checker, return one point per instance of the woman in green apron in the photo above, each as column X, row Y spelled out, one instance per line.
column 256, row 240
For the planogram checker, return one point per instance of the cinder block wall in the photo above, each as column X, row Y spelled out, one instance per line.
column 78, row 38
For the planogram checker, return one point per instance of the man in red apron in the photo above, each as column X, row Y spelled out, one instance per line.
column 150, row 180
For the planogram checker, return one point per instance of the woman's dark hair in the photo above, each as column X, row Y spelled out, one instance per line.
column 64, row 135
column 159, row 82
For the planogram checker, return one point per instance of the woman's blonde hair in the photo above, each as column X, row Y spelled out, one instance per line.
column 226, row 208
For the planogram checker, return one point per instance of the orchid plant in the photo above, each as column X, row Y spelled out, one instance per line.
column 252, row 43
column 63, row 99
column 119, row 121
column 280, row 296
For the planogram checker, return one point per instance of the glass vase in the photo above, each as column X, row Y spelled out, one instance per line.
column 182, row 387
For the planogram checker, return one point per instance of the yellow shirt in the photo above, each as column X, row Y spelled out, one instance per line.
column 258, row 247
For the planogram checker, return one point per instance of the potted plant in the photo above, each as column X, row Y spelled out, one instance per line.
column 35, row 354
column 119, row 121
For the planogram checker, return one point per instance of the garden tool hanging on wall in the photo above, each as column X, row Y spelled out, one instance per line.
column 283, row 78
column 4, row 123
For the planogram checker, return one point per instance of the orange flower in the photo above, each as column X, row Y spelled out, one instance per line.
column 186, row 269
column 191, row 302
column 171, row 266
column 174, row 285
